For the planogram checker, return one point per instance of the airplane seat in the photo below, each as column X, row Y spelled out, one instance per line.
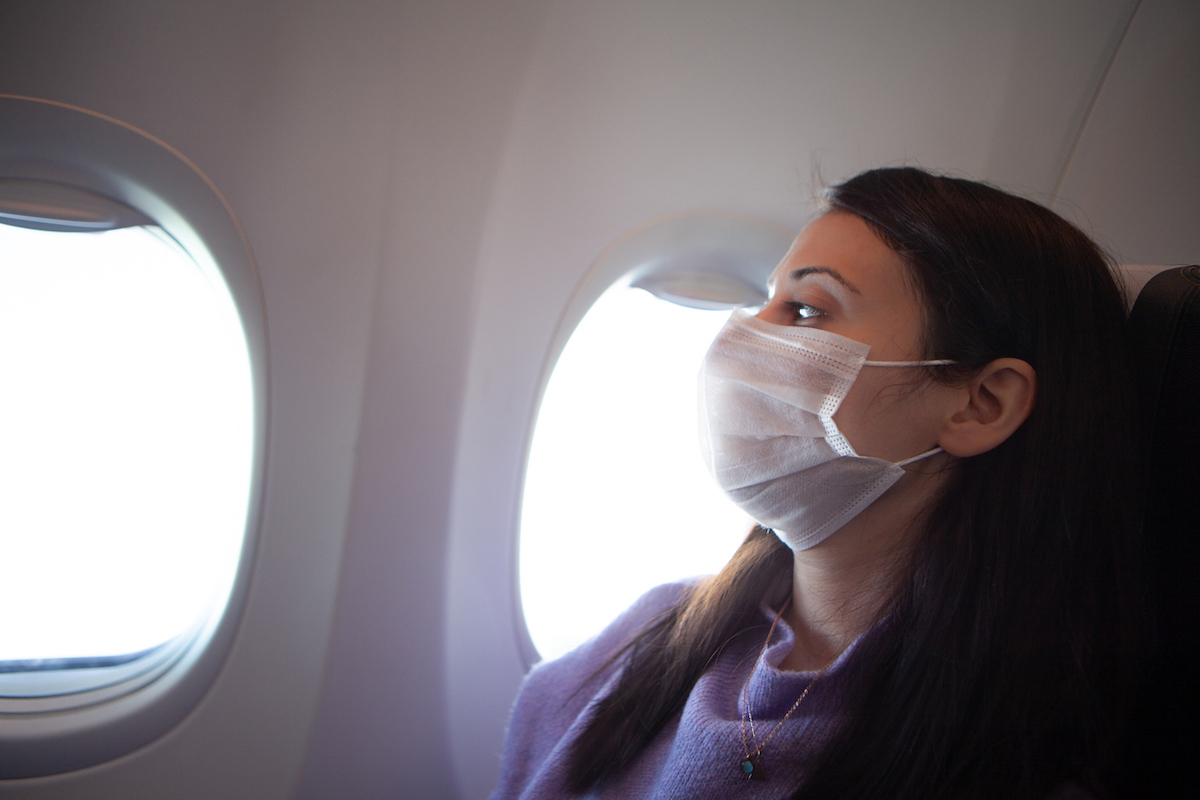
column 1162, row 754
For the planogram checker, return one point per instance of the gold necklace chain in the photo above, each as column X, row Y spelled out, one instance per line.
column 749, row 766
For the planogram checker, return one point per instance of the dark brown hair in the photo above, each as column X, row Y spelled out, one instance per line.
column 1005, row 670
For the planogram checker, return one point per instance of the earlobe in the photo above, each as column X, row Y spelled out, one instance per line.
column 990, row 408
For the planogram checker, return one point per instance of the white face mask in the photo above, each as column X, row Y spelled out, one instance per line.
column 768, row 394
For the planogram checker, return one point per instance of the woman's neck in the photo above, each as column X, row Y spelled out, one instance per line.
column 840, row 586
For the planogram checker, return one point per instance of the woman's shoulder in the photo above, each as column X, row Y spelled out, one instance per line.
column 645, row 610
column 556, row 694
column 587, row 662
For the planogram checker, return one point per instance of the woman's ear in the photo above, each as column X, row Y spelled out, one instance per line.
column 990, row 407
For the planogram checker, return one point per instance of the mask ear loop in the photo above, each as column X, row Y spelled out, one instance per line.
column 941, row 362
column 915, row 458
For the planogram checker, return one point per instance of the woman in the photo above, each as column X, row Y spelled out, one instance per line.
column 931, row 421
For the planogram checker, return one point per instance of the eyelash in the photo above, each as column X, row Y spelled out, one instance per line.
column 805, row 311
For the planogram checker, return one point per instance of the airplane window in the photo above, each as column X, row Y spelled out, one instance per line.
column 617, row 499
column 126, row 425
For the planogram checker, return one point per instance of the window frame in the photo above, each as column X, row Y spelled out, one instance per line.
column 739, row 250
column 129, row 705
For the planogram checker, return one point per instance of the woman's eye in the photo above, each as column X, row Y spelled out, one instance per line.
column 805, row 311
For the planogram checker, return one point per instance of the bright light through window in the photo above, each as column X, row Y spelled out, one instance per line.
column 617, row 499
column 125, row 442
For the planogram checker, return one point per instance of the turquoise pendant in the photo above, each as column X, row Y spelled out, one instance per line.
column 753, row 771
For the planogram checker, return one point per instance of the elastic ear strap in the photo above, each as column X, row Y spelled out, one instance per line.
column 941, row 362
column 926, row 454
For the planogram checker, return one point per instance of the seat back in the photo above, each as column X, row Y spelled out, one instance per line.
column 1163, row 751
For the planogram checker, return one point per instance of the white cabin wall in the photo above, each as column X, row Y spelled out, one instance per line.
column 382, row 727
column 1134, row 178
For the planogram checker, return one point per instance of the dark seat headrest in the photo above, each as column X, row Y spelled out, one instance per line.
column 1163, row 750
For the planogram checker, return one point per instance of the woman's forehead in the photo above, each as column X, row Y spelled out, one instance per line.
column 842, row 248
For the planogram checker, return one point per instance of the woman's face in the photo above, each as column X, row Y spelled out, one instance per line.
column 840, row 277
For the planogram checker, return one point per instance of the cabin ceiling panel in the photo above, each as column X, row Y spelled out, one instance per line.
column 1134, row 180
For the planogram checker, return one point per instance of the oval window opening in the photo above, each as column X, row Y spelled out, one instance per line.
column 125, row 464
column 617, row 499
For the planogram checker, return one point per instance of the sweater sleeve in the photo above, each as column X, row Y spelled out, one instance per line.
column 556, row 696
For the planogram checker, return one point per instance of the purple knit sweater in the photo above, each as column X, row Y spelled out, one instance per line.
column 698, row 754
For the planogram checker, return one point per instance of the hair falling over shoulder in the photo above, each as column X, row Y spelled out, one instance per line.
column 1007, row 665
column 666, row 660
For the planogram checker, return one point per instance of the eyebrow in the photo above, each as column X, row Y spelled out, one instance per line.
column 797, row 274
